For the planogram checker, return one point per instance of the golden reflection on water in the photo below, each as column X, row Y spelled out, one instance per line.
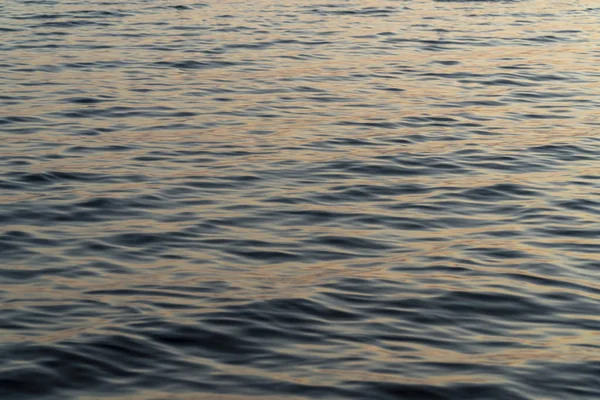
column 226, row 106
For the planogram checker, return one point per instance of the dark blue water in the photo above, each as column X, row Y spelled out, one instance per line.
column 300, row 199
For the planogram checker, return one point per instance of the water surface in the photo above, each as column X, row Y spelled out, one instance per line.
column 300, row 199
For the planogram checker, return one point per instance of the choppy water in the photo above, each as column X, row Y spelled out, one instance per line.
column 300, row 199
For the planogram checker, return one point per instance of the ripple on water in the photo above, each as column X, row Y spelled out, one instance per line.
column 299, row 200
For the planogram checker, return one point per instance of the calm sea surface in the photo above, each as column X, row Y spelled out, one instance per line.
column 308, row 199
